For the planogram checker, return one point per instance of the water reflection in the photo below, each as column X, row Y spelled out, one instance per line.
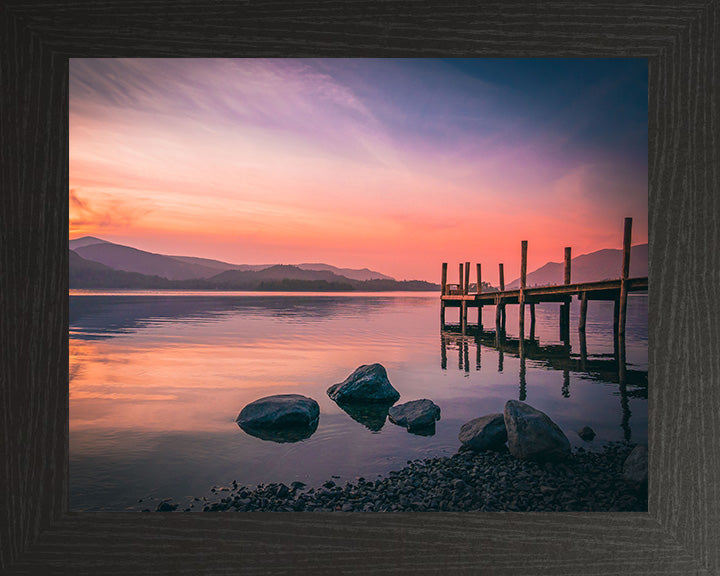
column 606, row 368
column 285, row 434
column 94, row 317
column 137, row 362
column 371, row 415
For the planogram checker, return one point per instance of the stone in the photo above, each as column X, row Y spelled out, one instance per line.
column 635, row 468
column 586, row 433
column 280, row 418
column 167, row 505
column 484, row 433
column 532, row 435
column 369, row 383
column 415, row 415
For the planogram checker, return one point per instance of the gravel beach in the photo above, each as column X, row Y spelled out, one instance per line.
column 467, row 481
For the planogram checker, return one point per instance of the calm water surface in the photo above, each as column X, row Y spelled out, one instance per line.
column 157, row 380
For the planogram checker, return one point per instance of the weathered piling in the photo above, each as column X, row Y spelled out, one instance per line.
column 565, row 307
column 523, row 280
column 479, row 291
column 581, row 327
column 443, row 291
column 625, row 273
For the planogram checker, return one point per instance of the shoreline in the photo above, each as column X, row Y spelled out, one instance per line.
column 464, row 482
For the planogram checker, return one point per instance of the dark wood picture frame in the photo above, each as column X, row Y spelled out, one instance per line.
column 681, row 532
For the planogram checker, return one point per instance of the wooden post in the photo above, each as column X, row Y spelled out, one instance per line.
column 616, row 317
column 502, row 289
column 625, row 272
column 523, row 279
column 460, row 288
column 565, row 307
column 532, row 321
column 466, row 284
column 477, row 353
column 583, row 312
column 581, row 328
column 443, row 290
column 479, row 290
column 568, row 258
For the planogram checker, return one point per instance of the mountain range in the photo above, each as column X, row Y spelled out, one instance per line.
column 96, row 263
column 600, row 265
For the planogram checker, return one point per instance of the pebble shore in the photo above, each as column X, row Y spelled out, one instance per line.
column 466, row 481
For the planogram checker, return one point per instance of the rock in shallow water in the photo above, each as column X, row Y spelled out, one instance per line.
column 532, row 435
column 369, row 383
column 586, row 433
column 281, row 418
column 484, row 433
column 415, row 415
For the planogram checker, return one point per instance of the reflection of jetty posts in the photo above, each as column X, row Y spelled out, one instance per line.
column 457, row 295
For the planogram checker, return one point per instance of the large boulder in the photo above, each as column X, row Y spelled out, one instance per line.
column 484, row 433
column 369, row 383
column 281, row 418
column 532, row 435
column 586, row 433
column 415, row 415
column 635, row 469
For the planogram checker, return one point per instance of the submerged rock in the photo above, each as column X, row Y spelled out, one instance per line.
column 369, row 383
column 532, row 435
column 635, row 468
column 586, row 433
column 280, row 418
column 484, row 433
column 415, row 415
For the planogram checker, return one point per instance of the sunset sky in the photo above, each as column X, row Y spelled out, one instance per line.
column 394, row 165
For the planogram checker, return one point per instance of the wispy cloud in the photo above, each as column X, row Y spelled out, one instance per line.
column 338, row 158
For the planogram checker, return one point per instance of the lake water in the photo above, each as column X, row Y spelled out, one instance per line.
column 158, row 379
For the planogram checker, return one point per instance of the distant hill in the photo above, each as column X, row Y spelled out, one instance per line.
column 353, row 274
column 600, row 265
column 85, row 241
column 130, row 259
column 88, row 274
column 216, row 265
column 85, row 273
column 274, row 273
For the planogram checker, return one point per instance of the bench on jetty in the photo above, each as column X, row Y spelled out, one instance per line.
column 459, row 295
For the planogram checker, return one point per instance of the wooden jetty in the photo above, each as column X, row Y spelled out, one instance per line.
column 459, row 295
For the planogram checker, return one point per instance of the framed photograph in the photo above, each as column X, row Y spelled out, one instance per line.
column 235, row 311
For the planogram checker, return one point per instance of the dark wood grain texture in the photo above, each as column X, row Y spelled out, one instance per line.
column 680, row 534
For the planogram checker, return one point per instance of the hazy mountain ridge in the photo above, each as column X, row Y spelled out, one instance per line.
column 89, row 274
column 128, row 259
column 602, row 264
column 352, row 273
